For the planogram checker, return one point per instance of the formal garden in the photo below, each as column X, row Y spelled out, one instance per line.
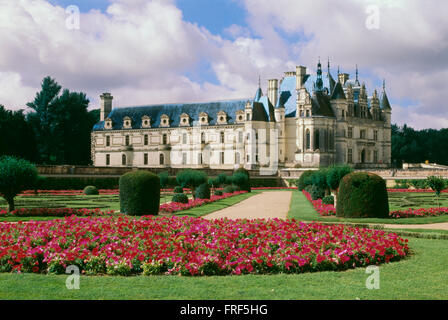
column 147, row 238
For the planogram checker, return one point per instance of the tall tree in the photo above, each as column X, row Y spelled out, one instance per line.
column 62, row 124
column 16, row 135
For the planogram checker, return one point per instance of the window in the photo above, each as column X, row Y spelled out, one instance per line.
column 222, row 136
column 237, row 158
column 247, row 116
column 316, row 139
column 164, row 139
column 350, row 132
column 240, row 137
column 146, row 139
column 350, row 156
column 145, row 158
column 375, row 135
column 107, row 159
column 184, row 158
column 107, row 141
column 221, row 157
column 248, row 158
column 123, row 159
column 375, row 156
column 362, row 134
column 162, row 159
column 199, row 158
column 127, row 140
column 184, row 138
column 307, row 113
column 301, row 113
column 202, row 137
column 308, row 139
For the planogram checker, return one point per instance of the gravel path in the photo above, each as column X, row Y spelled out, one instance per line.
column 434, row 226
column 267, row 205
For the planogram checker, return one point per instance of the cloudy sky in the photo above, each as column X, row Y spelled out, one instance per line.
column 157, row 51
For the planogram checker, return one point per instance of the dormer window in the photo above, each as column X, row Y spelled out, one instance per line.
column 184, row 120
column 222, row 117
column 240, row 116
column 127, row 123
column 203, row 119
column 164, row 121
column 108, row 123
column 146, row 122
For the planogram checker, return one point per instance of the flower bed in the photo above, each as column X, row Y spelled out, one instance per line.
column 53, row 212
column 191, row 246
column 415, row 190
column 323, row 209
column 192, row 203
column 81, row 192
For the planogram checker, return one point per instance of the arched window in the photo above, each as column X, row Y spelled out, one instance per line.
column 161, row 159
column 308, row 139
column 123, row 159
column 316, row 139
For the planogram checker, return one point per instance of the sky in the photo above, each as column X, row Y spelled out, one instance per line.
column 168, row 51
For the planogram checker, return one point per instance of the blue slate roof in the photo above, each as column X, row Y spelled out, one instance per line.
column 174, row 112
column 287, row 96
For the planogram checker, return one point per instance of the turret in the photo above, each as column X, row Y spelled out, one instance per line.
column 273, row 91
column 301, row 77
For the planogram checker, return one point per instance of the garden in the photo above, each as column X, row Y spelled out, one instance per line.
column 135, row 239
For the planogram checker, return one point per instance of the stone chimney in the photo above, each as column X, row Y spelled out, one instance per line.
column 343, row 77
column 300, row 75
column 273, row 91
column 106, row 105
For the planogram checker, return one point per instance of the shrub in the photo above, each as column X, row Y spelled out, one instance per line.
column 180, row 198
column 328, row 200
column 139, row 193
column 164, row 178
column 91, row 191
column 437, row 184
column 335, row 175
column 237, row 179
column 203, row 191
column 191, row 178
column 228, row 189
column 178, row 189
column 319, row 178
column 304, row 180
column 16, row 175
column 419, row 183
column 362, row 195
column 218, row 193
column 317, row 192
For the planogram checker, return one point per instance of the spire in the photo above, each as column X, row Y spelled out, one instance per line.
column 357, row 74
column 384, row 103
column 319, row 85
column 330, row 79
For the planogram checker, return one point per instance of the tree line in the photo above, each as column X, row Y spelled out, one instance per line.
column 55, row 131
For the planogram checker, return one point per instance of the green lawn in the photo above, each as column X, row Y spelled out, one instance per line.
column 301, row 209
column 405, row 200
column 421, row 276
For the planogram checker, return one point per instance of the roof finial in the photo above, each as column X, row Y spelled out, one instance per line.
column 328, row 64
column 259, row 81
column 384, row 85
column 338, row 70
column 356, row 73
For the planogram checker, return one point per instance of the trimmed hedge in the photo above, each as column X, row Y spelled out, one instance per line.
column 91, row 191
column 203, row 191
column 180, row 198
column 139, row 193
column 228, row 189
column 218, row 193
column 362, row 195
column 328, row 200
column 317, row 192
column 239, row 180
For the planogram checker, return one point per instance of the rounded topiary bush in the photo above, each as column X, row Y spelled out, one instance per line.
column 178, row 189
column 91, row 191
column 362, row 195
column 180, row 198
column 218, row 193
column 203, row 191
column 228, row 189
column 304, row 180
column 243, row 184
column 317, row 192
column 139, row 193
